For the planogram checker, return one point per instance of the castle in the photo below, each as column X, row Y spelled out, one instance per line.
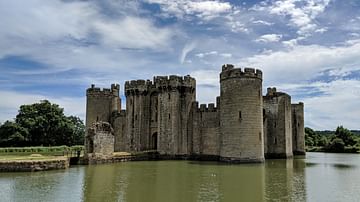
column 163, row 116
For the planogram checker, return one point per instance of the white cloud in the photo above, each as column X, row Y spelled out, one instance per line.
column 132, row 32
column 301, row 63
column 203, row 9
column 12, row 100
column 321, row 30
column 213, row 53
column 208, row 87
column 302, row 13
column 237, row 26
column 327, row 104
column 226, row 55
column 269, row 38
column 201, row 55
column 187, row 49
column 37, row 28
column 333, row 104
column 262, row 22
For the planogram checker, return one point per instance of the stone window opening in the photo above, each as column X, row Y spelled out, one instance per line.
column 97, row 118
column 154, row 141
column 275, row 125
column 275, row 141
column 169, row 96
column 91, row 146
column 240, row 116
column 169, row 116
column 260, row 136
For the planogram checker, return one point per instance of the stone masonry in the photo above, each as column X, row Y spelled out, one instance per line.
column 163, row 115
column 277, row 122
column 100, row 139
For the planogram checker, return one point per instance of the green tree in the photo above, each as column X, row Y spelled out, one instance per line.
column 12, row 134
column 336, row 145
column 345, row 135
column 311, row 137
column 42, row 123
column 323, row 141
column 78, row 130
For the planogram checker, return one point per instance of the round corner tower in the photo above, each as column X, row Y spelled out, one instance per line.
column 241, row 120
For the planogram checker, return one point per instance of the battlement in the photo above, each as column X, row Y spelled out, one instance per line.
column 208, row 107
column 227, row 67
column 228, row 71
column 137, row 85
column 174, row 81
column 272, row 92
column 162, row 82
column 300, row 104
column 113, row 91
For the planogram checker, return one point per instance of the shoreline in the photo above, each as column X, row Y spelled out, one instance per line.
column 26, row 164
column 31, row 165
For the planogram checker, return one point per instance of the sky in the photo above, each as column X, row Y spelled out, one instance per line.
column 56, row 49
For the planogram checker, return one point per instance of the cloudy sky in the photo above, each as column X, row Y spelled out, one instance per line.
column 308, row 48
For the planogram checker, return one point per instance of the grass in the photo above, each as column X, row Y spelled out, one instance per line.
column 38, row 153
column 31, row 157
column 54, row 149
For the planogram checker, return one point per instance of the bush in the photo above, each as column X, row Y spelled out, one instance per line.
column 336, row 145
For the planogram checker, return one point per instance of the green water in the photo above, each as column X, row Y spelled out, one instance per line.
column 319, row 177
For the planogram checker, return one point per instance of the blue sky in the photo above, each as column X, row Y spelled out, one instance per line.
column 308, row 48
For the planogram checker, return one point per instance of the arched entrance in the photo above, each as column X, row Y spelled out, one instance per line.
column 154, row 137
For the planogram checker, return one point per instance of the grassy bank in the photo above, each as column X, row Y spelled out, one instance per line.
column 45, row 151
column 31, row 157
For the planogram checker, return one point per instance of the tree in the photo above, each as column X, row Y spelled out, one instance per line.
column 345, row 135
column 336, row 145
column 12, row 134
column 78, row 130
column 311, row 137
column 323, row 141
column 45, row 124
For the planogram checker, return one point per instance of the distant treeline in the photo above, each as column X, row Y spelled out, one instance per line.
column 340, row 140
column 332, row 132
column 42, row 124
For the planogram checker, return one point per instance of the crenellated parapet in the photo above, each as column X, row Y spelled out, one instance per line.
column 228, row 71
column 174, row 82
column 163, row 83
column 204, row 107
column 208, row 107
column 137, row 87
column 272, row 92
column 105, row 92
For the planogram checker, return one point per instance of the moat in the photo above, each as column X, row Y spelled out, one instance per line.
column 319, row 177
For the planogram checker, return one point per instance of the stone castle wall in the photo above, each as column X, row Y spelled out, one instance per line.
column 119, row 125
column 241, row 121
column 100, row 104
column 277, row 119
column 206, row 138
column 100, row 137
column 298, row 128
column 147, row 129
column 162, row 115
